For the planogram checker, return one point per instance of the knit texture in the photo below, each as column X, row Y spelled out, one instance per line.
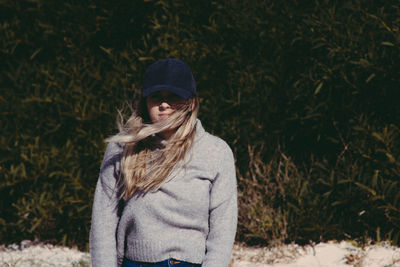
column 192, row 217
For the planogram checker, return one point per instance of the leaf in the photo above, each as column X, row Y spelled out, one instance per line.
column 304, row 189
column 345, row 181
column 339, row 202
column 64, row 240
column 378, row 136
column 322, row 181
column 42, row 196
column 370, row 77
column 107, row 50
column 145, row 58
column 362, row 62
column 35, row 225
column 378, row 197
column 366, row 188
column 390, row 157
column 35, row 53
column 318, row 88
column 327, row 194
column 375, row 178
column 387, row 43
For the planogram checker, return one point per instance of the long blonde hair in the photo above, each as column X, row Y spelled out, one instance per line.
column 146, row 163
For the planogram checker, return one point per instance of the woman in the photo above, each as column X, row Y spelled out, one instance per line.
column 166, row 195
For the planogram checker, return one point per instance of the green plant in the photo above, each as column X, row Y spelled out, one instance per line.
column 313, row 82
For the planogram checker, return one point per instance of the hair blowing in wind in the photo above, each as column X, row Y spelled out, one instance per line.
column 146, row 163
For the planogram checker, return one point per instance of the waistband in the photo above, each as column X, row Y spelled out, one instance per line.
column 165, row 263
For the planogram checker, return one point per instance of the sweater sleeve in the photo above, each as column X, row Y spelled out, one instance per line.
column 223, row 213
column 104, row 223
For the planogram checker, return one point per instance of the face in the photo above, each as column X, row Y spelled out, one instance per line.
column 162, row 104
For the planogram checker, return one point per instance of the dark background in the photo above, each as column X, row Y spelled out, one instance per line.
column 306, row 93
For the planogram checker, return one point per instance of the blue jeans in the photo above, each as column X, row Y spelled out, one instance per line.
column 166, row 263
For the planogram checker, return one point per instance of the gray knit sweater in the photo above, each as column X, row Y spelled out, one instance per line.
column 192, row 217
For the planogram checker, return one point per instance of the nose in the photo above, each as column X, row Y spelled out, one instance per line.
column 164, row 105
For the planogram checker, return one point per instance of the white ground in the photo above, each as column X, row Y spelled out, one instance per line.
column 329, row 254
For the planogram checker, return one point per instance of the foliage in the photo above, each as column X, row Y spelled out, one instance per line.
column 304, row 92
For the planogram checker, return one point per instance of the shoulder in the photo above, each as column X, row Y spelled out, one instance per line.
column 113, row 148
column 213, row 150
column 221, row 161
column 217, row 143
column 112, row 155
column 210, row 143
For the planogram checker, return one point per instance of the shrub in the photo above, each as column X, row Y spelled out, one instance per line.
column 303, row 92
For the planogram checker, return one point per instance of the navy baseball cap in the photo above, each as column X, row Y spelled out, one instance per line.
column 169, row 74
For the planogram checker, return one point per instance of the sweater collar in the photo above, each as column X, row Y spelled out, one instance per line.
column 199, row 131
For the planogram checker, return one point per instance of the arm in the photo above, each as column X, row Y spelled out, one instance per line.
column 223, row 214
column 102, row 239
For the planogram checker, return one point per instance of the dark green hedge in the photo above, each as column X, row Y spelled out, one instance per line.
column 306, row 94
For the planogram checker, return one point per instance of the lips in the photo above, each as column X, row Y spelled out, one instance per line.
column 163, row 115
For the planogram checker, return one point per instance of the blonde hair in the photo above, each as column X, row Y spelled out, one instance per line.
column 145, row 163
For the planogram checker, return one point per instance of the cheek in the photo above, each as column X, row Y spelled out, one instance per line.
column 152, row 111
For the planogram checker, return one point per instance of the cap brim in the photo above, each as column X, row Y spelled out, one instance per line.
column 176, row 90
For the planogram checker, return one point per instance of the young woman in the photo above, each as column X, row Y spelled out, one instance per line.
column 166, row 194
